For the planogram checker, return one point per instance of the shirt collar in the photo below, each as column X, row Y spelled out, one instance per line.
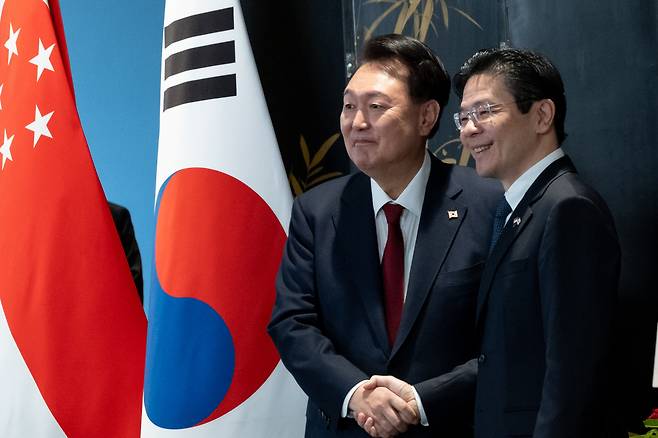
column 412, row 196
column 518, row 189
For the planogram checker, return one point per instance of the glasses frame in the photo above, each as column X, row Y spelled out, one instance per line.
column 471, row 114
column 490, row 108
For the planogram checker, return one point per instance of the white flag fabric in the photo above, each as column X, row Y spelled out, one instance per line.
column 23, row 411
column 223, row 206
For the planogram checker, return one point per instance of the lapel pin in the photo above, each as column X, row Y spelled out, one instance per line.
column 517, row 221
column 452, row 214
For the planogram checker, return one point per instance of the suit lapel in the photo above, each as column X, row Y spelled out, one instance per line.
column 356, row 238
column 517, row 222
column 436, row 232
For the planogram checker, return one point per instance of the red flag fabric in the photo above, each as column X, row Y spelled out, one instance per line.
column 65, row 287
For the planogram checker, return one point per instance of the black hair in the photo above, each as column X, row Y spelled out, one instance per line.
column 425, row 75
column 529, row 77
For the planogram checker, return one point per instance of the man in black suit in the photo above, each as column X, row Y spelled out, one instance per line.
column 124, row 226
column 548, row 290
column 340, row 317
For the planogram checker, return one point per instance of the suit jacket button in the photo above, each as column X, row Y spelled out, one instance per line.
column 482, row 358
column 325, row 418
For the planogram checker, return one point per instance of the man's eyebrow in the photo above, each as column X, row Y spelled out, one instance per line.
column 368, row 94
column 472, row 105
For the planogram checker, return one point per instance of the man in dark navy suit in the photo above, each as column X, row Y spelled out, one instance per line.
column 548, row 291
column 381, row 268
column 124, row 226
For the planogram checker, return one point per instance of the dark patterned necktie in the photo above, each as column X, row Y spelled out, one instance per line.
column 502, row 210
column 393, row 270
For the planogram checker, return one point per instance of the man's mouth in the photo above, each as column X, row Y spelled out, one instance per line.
column 481, row 148
column 362, row 142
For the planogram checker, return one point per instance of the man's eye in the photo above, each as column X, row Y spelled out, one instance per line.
column 348, row 106
column 376, row 106
column 481, row 112
column 463, row 119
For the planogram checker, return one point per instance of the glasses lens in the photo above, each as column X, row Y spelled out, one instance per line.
column 477, row 114
column 456, row 117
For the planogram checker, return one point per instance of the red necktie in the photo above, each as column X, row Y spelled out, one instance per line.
column 393, row 270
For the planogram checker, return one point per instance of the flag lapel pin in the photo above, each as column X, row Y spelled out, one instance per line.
column 517, row 221
column 452, row 214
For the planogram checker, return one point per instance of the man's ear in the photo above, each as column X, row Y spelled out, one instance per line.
column 429, row 114
column 545, row 114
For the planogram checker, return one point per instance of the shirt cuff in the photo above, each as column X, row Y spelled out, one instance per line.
column 346, row 403
column 423, row 417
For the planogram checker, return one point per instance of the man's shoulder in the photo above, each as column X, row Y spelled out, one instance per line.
column 569, row 185
column 332, row 189
column 117, row 210
column 325, row 198
column 471, row 187
column 120, row 215
column 471, row 181
column 567, row 194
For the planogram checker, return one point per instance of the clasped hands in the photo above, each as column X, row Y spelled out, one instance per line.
column 384, row 406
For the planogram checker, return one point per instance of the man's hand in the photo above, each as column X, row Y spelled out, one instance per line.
column 388, row 413
column 407, row 414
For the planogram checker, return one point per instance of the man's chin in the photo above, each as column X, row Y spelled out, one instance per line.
column 363, row 165
column 480, row 171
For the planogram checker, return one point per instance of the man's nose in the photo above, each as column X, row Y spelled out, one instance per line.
column 360, row 120
column 469, row 128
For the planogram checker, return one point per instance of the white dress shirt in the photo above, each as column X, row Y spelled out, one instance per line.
column 518, row 189
column 411, row 198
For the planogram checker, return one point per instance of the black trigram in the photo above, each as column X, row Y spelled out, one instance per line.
column 198, row 57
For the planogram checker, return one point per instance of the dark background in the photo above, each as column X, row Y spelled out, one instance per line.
column 607, row 52
column 298, row 47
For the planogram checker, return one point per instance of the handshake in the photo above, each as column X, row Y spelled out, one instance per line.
column 385, row 406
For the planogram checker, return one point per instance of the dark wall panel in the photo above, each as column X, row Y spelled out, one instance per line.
column 298, row 47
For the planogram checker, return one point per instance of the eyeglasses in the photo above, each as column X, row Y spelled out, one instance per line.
column 481, row 113
column 477, row 114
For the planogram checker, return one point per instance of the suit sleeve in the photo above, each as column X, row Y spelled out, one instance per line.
column 296, row 326
column 578, row 277
column 450, row 396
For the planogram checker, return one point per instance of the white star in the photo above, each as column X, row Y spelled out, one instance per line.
column 46, row 2
column 40, row 125
column 10, row 44
column 42, row 60
column 5, row 149
column 1, row 86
